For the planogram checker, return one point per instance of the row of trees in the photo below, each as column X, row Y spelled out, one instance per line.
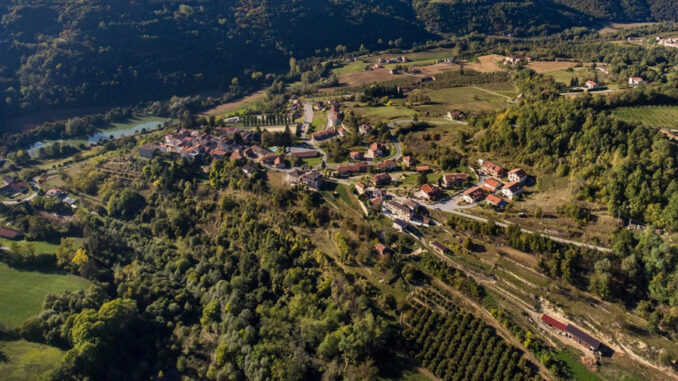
column 456, row 345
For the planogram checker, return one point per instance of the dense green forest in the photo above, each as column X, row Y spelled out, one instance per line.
column 56, row 53
column 210, row 282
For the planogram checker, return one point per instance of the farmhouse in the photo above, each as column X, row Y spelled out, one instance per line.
column 495, row 201
column 375, row 150
column 386, row 165
column 582, row 338
column 553, row 323
column 364, row 129
column 381, row 179
column 491, row 169
column 335, row 116
column 473, row 194
column 399, row 210
column 635, row 81
column 513, row 189
column 324, row 135
column 491, row 185
column 517, row 175
column 590, row 85
column 10, row 233
column 431, row 192
column 573, row 332
column 313, row 180
column 451, row 179
column 347, row 170
column 454, row 115
column 356, row 155
column 55, row 192
column 409, row 161
column 302, row 152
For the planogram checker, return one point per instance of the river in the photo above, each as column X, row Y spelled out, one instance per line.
column 117, row 130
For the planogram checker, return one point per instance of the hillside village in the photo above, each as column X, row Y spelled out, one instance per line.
column 417, row 175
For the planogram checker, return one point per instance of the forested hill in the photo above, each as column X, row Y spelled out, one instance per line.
column 85, row 52
column 54, row 52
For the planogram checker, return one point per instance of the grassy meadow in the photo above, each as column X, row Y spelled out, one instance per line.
column 22, row 292
column 21, row 360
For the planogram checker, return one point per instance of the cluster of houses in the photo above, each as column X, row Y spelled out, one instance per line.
column 434, row 193
column 375, row 195
column 193, row 143
column 61, row 195
column 235, row 143
column 669, row 42
column 11, row 187
column 492, row 186
column 568, row 330
column 514, row 60
column 386, row 61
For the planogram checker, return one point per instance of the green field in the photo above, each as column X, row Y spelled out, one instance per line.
column 312, row 161
column 41, row 247
column 565, row 76
column 22, row 360
column 22, row 292
column 386, row 113
column 652, row 116
column 503, row 88
column 578, row 371
column 467, row 99
column 353, row 67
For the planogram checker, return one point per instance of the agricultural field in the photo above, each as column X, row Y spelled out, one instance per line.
column 455, row 344
column 385, row 113
column 362, row 77
column 486, row 64
column 550, row 66
column 40, row 247
column 651, row 116
column 502, row 88
column 467, row 99
column 22, row 360
column 22, row 292
column 234, row 106
column 353, row 67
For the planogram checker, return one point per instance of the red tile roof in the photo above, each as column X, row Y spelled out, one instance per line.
column 553, row 322
column 494, row 200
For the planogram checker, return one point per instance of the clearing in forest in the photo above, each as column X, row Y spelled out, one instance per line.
column 22, row 292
